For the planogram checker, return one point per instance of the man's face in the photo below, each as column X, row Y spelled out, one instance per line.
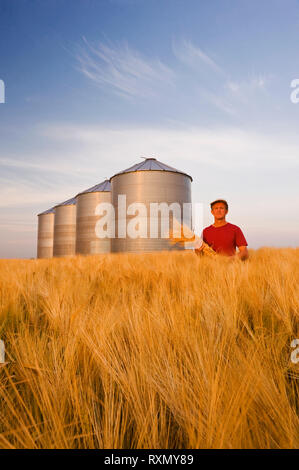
column 219, row 210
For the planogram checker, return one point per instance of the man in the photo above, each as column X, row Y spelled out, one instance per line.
column 222, row 236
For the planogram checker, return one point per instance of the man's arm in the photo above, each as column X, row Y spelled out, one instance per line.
column 243, row 253
column 242, row 244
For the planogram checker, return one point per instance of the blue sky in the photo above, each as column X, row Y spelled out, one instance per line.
column 93, row 85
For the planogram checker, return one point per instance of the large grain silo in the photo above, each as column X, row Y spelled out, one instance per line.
column 87, row 241
column 45, row 233
column 65, row 228
column 147, row 182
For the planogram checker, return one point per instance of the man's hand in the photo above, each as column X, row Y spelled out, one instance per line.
column 243, row 253
column 198, row 247
column 198, row 251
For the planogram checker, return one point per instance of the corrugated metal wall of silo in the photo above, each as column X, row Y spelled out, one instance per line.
column 87, row 241
column 45, row 234
column 65, row 228
column 148, row 182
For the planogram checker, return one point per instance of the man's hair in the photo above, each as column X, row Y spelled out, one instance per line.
column 219, row 200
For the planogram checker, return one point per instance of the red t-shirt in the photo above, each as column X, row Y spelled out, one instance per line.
column 224, row 239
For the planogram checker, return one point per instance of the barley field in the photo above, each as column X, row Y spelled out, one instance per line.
column 167, row 350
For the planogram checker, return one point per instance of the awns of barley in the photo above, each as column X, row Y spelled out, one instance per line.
column 161, row 350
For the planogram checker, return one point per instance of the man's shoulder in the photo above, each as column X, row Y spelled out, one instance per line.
column 206, row 229
column 233, row 226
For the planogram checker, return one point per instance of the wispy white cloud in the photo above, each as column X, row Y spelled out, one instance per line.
column 52, row 164
column 243, row 90
column 218, row 101
column 128, row 73
column 215, row 83
column 253, row 84
column 123, row 69
column 25, row 193
column 222, row 147
column 108, row 150
column 194, row 56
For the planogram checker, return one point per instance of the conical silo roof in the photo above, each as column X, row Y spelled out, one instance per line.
column 65, row 203
column 69, row 202
column 101, row 187
column 151, row 164
column 48, row 211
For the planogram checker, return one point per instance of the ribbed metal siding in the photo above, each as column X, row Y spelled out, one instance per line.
column 45, row 235
column 86, row 239
column 64, row 230
column 148, row 186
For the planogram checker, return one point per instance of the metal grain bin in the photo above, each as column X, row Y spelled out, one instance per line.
column 45, row 234
column 87, row 241
column 148, row 182
column 65, row 228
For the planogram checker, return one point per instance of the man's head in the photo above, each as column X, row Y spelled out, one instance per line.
column 219, row 209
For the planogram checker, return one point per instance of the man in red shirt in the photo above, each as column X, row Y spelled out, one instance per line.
column 222, row 236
